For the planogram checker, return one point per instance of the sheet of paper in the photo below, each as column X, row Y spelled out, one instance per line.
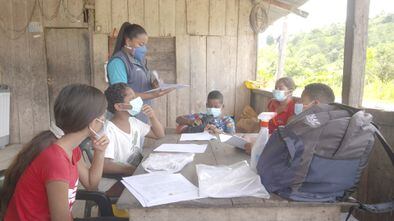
column 197, row 136
column 235, row 141
column 160, row 188
column 182, row 148
column 164, row 86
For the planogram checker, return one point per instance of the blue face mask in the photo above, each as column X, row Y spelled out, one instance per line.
column 279, row 95
column 139, row 53
column 214, row 111
column 136, row 106
column 298, row 107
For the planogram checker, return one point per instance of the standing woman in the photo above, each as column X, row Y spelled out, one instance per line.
column 128, row 65
column 41, row 182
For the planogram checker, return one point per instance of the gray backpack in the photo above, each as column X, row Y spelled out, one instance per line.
column 319, row 156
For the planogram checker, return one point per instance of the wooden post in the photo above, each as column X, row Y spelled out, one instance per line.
column 356, row 36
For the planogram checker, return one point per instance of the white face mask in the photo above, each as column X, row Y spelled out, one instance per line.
column 136, row 106
column 279, row 95
column 298, row 107
column 101, row 132
column 214, row 111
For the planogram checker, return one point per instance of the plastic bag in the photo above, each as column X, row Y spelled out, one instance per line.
column 229, row 181
column 169, row 162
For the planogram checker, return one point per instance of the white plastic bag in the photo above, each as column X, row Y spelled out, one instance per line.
column 169, row 162
column 229, row 181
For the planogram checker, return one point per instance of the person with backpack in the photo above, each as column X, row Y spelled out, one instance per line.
column 313, row 94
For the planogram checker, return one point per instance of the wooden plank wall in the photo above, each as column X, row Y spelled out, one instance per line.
column 23, row 63
column 376, row 184
column 214, row 49
column 209, row 36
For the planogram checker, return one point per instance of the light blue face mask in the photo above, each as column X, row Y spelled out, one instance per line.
column 139, row 53
column 214, row 111
column 136, row 106
column 298, row 107
column 279, row 95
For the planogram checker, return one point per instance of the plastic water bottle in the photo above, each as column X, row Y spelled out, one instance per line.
column 261, row 140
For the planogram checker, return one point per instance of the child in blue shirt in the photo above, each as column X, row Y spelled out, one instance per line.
column 211, row 121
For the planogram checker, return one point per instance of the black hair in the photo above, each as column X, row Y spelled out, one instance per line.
column 288, row 82
column 127, row 30
column 115, row 93
column 320, row 92
column 215, row 95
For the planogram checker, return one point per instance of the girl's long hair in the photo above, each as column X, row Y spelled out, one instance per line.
column 129, row 31
column 75, row 108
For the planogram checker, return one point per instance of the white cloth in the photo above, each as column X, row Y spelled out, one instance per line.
column 121, row 144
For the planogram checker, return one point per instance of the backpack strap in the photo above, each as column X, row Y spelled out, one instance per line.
column 378, row 207
column 384, row 143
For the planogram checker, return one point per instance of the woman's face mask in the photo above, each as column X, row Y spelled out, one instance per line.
column 279, row 95
column 101, row 132
column 136, row 106
column 139, row 53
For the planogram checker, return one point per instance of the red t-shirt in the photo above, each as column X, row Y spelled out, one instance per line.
column 30, row 201
column 281, row 118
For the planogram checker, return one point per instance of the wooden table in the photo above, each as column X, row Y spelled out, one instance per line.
column 244, row 208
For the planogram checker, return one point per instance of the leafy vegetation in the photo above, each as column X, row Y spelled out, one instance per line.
column 317, row 56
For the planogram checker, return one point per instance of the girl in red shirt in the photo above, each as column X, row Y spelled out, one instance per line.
column 282, row 103
column 41, row 182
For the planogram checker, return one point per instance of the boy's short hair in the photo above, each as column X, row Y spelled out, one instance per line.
column 215, row 95
column 288, row 82
column 321, row 92
column 115, row 94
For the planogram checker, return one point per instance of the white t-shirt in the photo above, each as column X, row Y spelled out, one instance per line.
column 122, row 145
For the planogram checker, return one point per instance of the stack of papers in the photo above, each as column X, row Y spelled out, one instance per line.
column 197, row 136
column 164, row 86
column 235, row 141
column 182, row 148
column 160, row 188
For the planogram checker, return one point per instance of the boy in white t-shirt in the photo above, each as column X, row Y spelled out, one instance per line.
column 123, row 153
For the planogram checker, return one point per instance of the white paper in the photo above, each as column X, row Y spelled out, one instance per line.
column 160, row 188
column 182, row 148
column 197, row 136
column 235, row 141
column 164, row 86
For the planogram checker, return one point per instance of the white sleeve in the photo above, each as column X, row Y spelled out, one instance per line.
column 110, row 150
column 142, row 127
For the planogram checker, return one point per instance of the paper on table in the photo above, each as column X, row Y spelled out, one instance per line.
column 197, row 136
column 160, row 188
column 235, row 141
column 182, row 148
column 164, row 86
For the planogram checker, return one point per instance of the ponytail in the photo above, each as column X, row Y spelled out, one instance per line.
column 127, row 30
column 28, row 153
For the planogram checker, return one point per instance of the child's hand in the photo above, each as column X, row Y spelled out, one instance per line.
column 100, row 144
column 148, row 111
column 212, row 129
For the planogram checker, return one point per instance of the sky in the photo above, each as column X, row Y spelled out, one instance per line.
column 321, row 13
